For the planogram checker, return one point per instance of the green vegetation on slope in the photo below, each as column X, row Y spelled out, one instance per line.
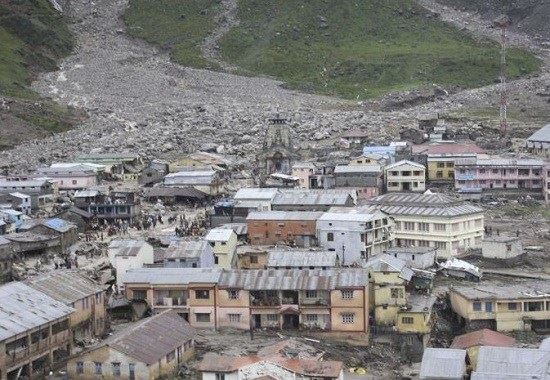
column 33, row 36
column 361, row 49
column 179, row 26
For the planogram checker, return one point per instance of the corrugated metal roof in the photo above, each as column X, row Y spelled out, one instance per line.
column 284, row 215
column 301, row 258
column 542, row 135
column 172, row 276
column 349, row 216
column 422, row 204
column 127, row 247
column 193, row 177
column 499, row 161
column 312, row 197
column 65, row 286
column 525, row 289
column 59, row 225
column 340, row 169
column 294, row 279
column 219, row 234
column 187, row 249
column 239, row 228
column 256, row 193
column 23, row 307
column 153, row 338
column 443, row 363
column 512, row 363
column 188, row 192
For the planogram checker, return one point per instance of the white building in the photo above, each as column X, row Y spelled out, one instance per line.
column 354, row 236
column 255, row 199
column 501, row 247
column 415, row 257
column 224, row 243
column 539, row 142
column 405, row 176
column 129, row 254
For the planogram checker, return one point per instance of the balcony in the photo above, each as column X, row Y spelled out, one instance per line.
column 170, row 302
column 23, row 353
column 265, row 298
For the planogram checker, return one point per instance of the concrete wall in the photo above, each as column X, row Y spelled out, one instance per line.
column 420, row 325
column 225, row 251
column 397, row 180
column 270, row 232
column 500, row 249
column 444, row 166
column 358, row 305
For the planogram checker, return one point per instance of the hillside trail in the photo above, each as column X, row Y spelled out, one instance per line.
column 225, row 19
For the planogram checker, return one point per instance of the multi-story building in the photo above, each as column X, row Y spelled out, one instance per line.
column 333, row 300
column 271, row 227
column 71, row 177
column 253, row 199
column 365, row 179
column 405, row 176
column 151, row 349
column 6, row 259
column 440, row 158
column 189, row 253
column 369, row 159
column 128, row 254
column 354, row 236
column 224, row 244
column 500, row 174
column 34, row 331
column 504, row 307
column 302, row 171
column 86, row 297
column 301, row 259
column 189, row 291
column 432, row 220
column 207, row 181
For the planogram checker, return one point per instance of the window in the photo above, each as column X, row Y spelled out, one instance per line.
column 408, row 226
column 440, row 245
column 440, row 164
column 439, row 174
column 396, row 293
column 253, row 259
column 97, row 368
column 216, row 259
column 489, row 307
column 311, row 318
column 311, row 293
column 202, row 294
column 407, row 320
column 139, row 294
column 79, row 368
column 533, row 306
column 272, row 317
column 116, row 369
column 477, row 306
column 202, row 317
column 220, row 376
column 330, row 236
column 508, row 247
column 348, row 318
column 424, row 226
column 233, row 294
column 347, row 294
column 512, row 306
column 439, row 227
column 171, row 356
column 234, row 318
column 132, row 371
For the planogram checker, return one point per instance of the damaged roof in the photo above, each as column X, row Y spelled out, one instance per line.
column 511, row 363
column 67, row 286
column 162, row 333
column 184, row 192
column 23, row 308
column 294, row 279
column 127, row 247
column 525, row 289
column 484, row 337
column 59, row 225
column 387, row 263
column 301, row 258
column 219, row 234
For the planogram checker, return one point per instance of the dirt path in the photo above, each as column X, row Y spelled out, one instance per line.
column 225, row 20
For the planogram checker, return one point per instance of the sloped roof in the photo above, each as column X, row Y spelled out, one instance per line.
column 187, row 248
column 65, row 286
column 23, row 307
column 256, row 193
column 405, row 162
column 387, row 263
column 160, row 191
column 294, row 279
column 171, row 276
column 284, row 215
column 534, row 289
column 512, row 363
column 127, row 247
column 59, row 225
column 443, row 363
column 219, row 234
column 484, row 337
column 153, row 338
column 301, row 258
column 542, row 135
column 311, row 197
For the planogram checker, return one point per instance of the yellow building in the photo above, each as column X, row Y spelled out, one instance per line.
column 388, row 277
column 169, row 340
column 432, row 220
column 505, row 307
column 224, row 244
column 368, row 160
column 416, row 316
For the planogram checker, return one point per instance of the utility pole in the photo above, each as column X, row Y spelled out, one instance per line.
column 503, row 23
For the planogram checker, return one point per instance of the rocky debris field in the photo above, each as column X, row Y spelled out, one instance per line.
column 139, row 101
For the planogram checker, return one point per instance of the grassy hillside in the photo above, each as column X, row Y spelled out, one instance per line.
column 360, row 49
column 349, row 48
column 179, row 26
column 33, row 37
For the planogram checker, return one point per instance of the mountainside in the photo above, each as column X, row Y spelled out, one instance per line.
column 529, row 16
column 346, row 48
column 33, row 37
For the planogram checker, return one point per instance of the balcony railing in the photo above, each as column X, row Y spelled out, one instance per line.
column 24, row 353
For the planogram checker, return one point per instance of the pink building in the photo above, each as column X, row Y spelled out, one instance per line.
column 499, row 173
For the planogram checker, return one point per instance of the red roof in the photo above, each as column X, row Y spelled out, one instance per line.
column 483, row 337
column 446, row 148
